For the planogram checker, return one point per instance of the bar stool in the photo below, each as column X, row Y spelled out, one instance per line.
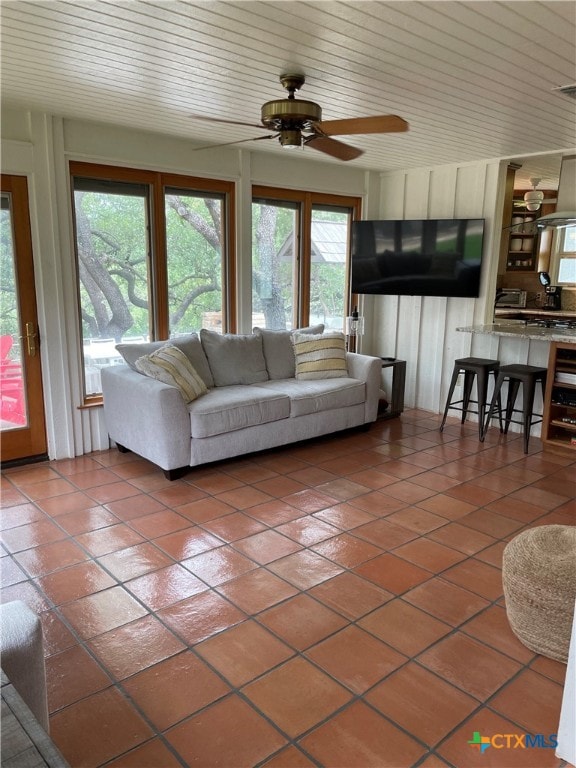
column 473, row 368
column 516, row 374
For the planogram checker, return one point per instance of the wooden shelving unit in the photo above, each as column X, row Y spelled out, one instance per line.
column 521, row 252
column 521, row 255
column 559, row 422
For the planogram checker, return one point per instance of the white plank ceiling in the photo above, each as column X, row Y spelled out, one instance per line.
column 473, row 79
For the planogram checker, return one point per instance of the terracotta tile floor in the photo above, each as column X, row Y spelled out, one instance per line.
column 335, row 603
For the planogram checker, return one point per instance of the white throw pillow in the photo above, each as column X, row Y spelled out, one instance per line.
column 171, row 366
column 320, row 356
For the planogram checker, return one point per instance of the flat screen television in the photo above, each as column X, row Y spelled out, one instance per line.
column 417, row 257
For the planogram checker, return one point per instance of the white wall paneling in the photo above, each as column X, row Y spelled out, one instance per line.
column 17, row 156
column 244, row 246
column 51, row 267
column 422, row 330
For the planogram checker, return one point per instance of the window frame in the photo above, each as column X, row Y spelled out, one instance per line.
column 563, row 255
column 306, row 202
column 157, row 183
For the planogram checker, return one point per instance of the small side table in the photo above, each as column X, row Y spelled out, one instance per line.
column 398, row 381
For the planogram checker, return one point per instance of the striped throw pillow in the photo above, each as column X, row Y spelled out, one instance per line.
column 171, row 366
column 321, row 356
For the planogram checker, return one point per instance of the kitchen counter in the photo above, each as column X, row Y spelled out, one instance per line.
column 546, row 314
column 566, row 335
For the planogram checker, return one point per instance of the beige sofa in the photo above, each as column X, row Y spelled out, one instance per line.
column 253, row 402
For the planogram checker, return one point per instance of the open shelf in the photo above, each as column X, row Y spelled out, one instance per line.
column 560, row 401
column 521, row 255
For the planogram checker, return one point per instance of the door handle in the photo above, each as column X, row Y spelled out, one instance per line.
column 30, row 336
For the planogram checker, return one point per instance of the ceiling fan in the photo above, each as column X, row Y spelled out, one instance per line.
column 297, row 123
column 534, row 198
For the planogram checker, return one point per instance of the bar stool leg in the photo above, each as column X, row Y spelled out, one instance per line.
column 498, row 394
column 513, row 387
column 482, row 386
column 496, row 401
column 453, row 381
column 467, row 394
column 528, row 392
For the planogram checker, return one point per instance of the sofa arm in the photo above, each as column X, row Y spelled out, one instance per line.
column 146, row 416
column 22, row 649
column 367, row 369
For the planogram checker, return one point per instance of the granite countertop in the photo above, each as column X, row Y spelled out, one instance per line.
column 559, row 314
column 566, row 335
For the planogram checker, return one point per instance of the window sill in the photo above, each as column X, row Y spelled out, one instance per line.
column 93, row 401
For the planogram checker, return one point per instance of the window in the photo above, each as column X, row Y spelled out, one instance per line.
column 275, row 237
column 300, row 247
column 153, row 259
column 329, row 248
column 194, row 227
column 566, row 257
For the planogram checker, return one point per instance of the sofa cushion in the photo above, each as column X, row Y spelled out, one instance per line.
column 189, row 344
column 320, row 356
column 234, row 358
column 279, row 350
column 236, row 407
column 171, row 366
column 320, row 395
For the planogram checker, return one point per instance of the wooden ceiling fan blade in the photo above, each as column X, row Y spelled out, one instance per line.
column 229, row 122
column 374, row 124
column 334, row 148
column 230, row 143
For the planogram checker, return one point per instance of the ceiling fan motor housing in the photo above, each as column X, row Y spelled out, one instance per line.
column 290, row 114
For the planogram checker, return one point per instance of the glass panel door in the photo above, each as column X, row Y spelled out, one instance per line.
column 21, row 399
column 13, row 411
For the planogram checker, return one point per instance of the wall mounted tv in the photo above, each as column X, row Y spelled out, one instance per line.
column 431, row 257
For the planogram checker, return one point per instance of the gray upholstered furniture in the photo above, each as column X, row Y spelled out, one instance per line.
column 254, row 400
column 22, row 655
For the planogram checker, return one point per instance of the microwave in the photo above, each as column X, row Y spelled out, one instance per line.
column 511, row 297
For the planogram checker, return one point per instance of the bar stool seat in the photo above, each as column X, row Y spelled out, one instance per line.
column 478, row 368
column 516, row 374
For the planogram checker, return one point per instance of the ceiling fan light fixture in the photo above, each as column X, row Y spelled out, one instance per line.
column 533, row 199
column 290, row 139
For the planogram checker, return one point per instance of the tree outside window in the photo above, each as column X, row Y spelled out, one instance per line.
column 300, row 253
column 144, row 273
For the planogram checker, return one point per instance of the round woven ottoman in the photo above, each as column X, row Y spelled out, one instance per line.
column 539, row 578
